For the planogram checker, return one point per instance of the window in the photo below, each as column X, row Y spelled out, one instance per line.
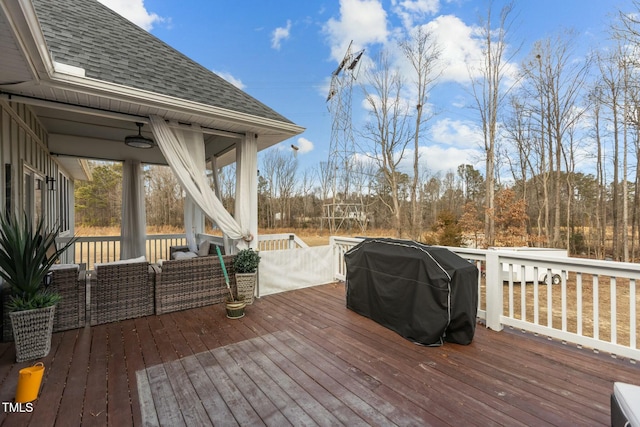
column 63, row 185
column 33, row 194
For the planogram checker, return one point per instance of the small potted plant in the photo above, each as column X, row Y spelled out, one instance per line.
column 234, row 305
column 27, row 252
column 245, row 265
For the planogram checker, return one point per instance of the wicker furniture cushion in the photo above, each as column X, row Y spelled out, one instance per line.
column 122, row 261
column 183, row 255
column 121, row 291
column 189, row 283
column 203, row 249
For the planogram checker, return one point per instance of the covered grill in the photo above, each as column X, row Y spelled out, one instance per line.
column 427, row 294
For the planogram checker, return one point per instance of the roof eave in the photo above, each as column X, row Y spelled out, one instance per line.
column 117, row 92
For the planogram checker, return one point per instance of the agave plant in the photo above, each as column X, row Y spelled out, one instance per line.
column 24, row 261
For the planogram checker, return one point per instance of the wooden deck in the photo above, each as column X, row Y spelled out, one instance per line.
column 302, row 358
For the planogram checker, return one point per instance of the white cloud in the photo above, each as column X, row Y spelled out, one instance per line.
column 411, row 10
column 279, row 34
column 134, row 11
column 363, row 21
column 461, row 49
column 456, row 133
column 304, row 145
column 231, row 79
column 436, row 159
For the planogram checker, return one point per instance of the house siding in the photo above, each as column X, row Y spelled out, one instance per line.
column 23, row 145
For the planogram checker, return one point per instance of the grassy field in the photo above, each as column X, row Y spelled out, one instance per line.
column 312, row 237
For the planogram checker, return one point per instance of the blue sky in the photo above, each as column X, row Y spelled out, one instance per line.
column 283, row 52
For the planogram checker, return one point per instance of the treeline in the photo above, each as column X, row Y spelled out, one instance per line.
column 451, row 205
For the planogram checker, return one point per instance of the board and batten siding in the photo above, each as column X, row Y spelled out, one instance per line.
column 24, row 146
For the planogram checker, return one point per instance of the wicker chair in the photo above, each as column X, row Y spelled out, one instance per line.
column 193, row 282
column 72, row 287
column 121, row 291
column 70, row 311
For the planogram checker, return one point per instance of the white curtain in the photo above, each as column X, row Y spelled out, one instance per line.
column 180, row 148
column 216, row 187
column 193, row 221
column 133, row 225
column 247, row 183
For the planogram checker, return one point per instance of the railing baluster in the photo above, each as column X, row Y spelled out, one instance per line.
column 632, row 313
column 613, row 325
column 563, row 283
column 510, row 268
column 579, row 303
column 596, row 309
column 549, row 298
column 523, row 294
column 536, row 297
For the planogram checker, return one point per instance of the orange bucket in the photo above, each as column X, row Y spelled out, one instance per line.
column 29, row 380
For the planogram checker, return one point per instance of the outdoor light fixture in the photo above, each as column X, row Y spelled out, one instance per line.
column 51, row 182
column 139, row 141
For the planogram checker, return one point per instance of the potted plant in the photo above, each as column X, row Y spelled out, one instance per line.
column 27, row 252
column 234, row 305
column 245, row 265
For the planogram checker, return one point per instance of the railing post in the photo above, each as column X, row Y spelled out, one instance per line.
column 493, row 284
column 334, row 256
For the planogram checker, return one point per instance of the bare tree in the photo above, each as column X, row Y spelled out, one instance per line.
column 280, row 169
column 164, row 197
column 612, row 85
column 387, row 131
column 422, row 52
column 489, row 93
column 556, row 80
column 596, row 97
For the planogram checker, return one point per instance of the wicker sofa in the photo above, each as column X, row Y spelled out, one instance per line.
column 121, row 290
column 191, row 282
column 69, row 282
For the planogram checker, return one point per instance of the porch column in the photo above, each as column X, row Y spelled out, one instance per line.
column 246, row 208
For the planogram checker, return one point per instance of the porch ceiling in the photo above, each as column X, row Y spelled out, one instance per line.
column 94, row 126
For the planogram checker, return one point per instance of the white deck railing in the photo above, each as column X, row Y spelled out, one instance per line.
column 274, row 242
column 595, row 304
column 89, row 250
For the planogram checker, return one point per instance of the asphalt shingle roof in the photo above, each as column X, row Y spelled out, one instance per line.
column 87, row 34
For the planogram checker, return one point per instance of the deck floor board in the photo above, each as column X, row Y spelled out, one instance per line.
column 302, row 358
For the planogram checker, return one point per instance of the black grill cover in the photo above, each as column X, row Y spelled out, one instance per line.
column 427, row 294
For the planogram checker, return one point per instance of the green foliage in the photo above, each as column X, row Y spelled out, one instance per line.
column 24, row 262
column 98, row 201
column 44, row 298
column 246, row 261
